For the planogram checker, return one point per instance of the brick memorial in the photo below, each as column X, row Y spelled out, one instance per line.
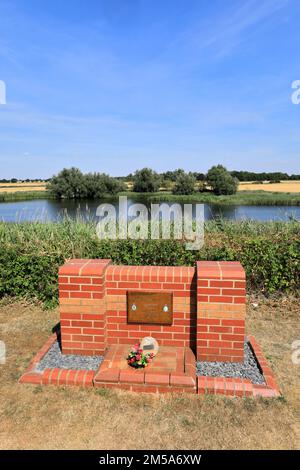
column 194, row 313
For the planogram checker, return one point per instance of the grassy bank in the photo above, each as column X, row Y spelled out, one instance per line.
column 24, row 196
column 252, row 198
column 30, row 254
column 68, row 417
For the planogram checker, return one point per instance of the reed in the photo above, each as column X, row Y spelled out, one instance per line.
column 31, row 253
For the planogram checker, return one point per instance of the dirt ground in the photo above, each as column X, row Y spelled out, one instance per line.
column 35, row 417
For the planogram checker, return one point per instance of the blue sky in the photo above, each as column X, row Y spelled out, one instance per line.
column 116, row 85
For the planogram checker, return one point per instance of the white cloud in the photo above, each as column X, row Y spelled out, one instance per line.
column 226, row 31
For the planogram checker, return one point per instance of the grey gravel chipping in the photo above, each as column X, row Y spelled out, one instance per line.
column 248, row 369
column 54, row 358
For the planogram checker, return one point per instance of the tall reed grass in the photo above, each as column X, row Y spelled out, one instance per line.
column 31, row 253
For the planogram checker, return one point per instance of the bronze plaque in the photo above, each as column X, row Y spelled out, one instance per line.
column 150, row 308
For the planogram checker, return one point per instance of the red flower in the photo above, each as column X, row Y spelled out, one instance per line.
column 137, row 358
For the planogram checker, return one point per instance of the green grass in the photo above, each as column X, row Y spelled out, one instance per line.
column 253, row 198
column 24, row 196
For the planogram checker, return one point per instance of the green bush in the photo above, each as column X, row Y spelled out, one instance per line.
column 30, row 254
column 73, row 184
column 146, row 181
column 185, row 184
column 272, row 266
column 221, row 181
column 30, row 276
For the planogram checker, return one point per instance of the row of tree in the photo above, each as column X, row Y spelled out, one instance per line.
column 275, row 176
column 240, row 175
column 173, row 176
column 217, row 179
column 73, row 184
column 15, row 180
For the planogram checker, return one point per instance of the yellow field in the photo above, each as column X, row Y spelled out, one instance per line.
column 16, row 187
column 283, row 187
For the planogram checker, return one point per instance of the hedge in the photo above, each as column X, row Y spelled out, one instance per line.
column 30, row 254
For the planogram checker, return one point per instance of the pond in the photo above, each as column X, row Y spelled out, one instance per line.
column 51, row 210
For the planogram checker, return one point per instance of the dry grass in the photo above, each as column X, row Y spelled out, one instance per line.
column 283, row 187
column 34, row 417
column 21, row 187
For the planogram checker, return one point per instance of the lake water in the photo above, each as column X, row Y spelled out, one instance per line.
column 51, row 210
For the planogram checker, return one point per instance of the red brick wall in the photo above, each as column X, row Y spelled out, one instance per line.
column 221, row 299
column 179, row 280
column 208, row 307
column 82, row 306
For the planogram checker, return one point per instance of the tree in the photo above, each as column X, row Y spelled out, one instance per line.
column 114, row 185
column 198, row 176
column 96, row 185
column 146, row 181
column 185, row 184
column 173, row 175
column 251, row 176
column 69, row 183
column 221, row 181
column 72, row 184
column 99, row 184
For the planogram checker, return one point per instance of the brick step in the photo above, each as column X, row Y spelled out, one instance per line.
column 162, row 375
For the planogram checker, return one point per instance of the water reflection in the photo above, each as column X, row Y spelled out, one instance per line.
column 49, row 210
